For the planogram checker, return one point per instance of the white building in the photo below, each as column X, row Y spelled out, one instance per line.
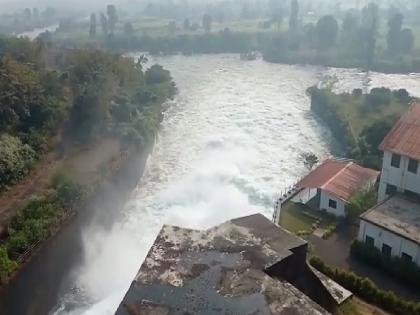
column 393, row 227
column 332, row 184
column 401, row 147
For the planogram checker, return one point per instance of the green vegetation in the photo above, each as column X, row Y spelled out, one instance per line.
column 360, row 120
column 402, row 270
column 362, row 201
column 35, row 222
column 96, row 94
column 66, row 99
column 366, row 289
column 293, row 218
column 303, row 220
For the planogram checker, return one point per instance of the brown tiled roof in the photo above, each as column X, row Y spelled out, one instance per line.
column 341, row 178
column 404, row 138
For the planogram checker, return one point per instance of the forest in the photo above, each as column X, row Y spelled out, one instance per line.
column 56, row 99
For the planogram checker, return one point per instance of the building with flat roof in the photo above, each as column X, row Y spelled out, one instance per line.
column 243, row 266
column 393, row 226
column 401, row 147
column 331, row 185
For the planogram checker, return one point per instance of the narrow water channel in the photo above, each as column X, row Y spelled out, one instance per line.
column 230, row 140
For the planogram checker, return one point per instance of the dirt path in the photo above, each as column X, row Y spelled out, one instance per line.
column 35, row 182
column 81, row 166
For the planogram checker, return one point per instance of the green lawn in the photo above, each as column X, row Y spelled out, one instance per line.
column 293, row 219
column 301, row 219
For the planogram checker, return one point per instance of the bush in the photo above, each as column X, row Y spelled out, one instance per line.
column 156, row 74
column 368, row 290
column 6, row 264
column 16, row 159
column 404, row 271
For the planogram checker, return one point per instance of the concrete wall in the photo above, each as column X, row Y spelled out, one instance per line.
column 400, row 177
column 399, row 244
column 325, row 197
column 305, row 195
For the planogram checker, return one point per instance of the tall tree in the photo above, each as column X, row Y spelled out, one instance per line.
column 187, row 24
column 128, row 29
column 207, row 21
column 294, row 12
column 327, row 31
column 369, row 30
column 112, row 17
column 104, row 24
column 394, row 33
column 92, row 29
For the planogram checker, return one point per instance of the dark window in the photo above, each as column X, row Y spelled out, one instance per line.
column 386, row 250
column 370, row 241
column 406, row 258
column 332, row 204
column 413, row 166
column 391, row 189
column 396, row 160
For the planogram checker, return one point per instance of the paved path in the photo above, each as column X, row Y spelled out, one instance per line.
column 335, row 251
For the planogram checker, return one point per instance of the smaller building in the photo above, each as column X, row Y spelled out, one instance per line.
column 332, row 184
column 393, row 227
column 401, row 147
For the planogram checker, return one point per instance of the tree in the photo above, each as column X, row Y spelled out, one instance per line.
column 187, row 24
column 309, row 160
column 327, row 30
column 369, row 30
column 172, row 28
column 128, row 29
column 27, row 13
column 350, row 25
column 407, row 41
column 207, row 21
column 112, row 17
column 361, row 202
column 104, row 24
column 293, row 21
column 394, row 33
column 92, row 29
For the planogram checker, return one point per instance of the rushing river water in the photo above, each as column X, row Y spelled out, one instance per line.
column 231, row 139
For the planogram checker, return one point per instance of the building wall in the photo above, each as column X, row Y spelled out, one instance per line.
column 399, row 177
column 325, row 197
column 381, row 236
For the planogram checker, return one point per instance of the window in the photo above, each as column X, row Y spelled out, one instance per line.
column 396, row 160
column 413, row 166
column 391, row 189
column 332, row 204
column 370, row 241
column 406, row 258
column 386, row 250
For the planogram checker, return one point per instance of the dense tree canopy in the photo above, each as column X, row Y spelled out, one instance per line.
column 327, row 31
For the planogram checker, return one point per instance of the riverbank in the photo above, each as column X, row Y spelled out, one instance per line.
column 43, row 280
column 360, row 121
column 56, row 195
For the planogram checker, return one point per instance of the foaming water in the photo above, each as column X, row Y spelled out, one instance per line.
column 230, row 140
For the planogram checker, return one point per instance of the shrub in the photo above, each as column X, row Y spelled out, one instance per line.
column 367, row 290
column 404, row 271
column 16, row 159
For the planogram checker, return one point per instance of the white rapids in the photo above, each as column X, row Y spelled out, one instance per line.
column 230, row 141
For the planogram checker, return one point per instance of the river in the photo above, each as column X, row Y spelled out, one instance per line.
column 230, row 140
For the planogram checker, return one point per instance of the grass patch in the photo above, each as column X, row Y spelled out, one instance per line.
column 294, row 219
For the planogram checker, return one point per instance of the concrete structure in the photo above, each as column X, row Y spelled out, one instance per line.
column 243, row 266
column 401, row 147
column 393, row 226
column 332, row 184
